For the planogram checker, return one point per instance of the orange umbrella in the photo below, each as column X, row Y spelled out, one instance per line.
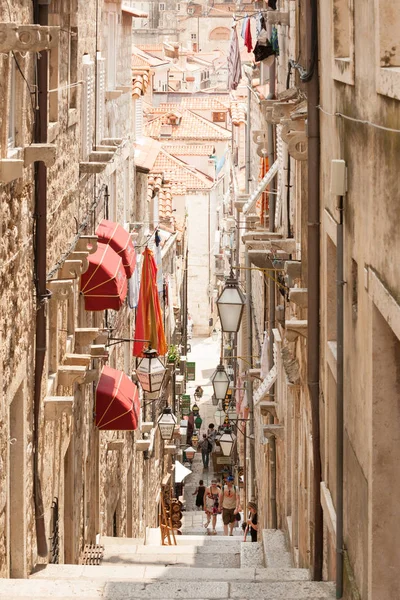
column 149, row 323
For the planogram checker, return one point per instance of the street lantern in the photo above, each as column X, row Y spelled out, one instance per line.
column 230, row 305
column 232, row 415
column 190, row 452
column 219, row 417
column 150, row 371
column 220, row 382
column 214, row 335
column 166, row 424
column 198, row 421
column 195, row 438
column 226, row 442
column 195, row 410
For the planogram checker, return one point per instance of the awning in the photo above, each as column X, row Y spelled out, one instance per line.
column 266, row 180
column 181, row 472
column 117, row 401
column 120, row 241
column 104, row 284
column 265, row 386
column 126, row 8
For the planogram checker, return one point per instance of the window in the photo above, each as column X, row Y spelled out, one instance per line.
column 161, row 6
column 100, row 97
column 87, row 104
column 127, row 206
column 112, row 51
column 73, row 66
column 53, row 84
column 178, row 7
column 343, row 41
column 190, row 11
column 218, row 117
column 112, row 198
column 193, row 36
column 11, row 105
column 387, row 48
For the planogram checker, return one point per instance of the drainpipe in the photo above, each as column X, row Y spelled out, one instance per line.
column 313, row 257
column 249, row 386
column 272, row 291
column 339, row 405
column 41, row 12
column 248, row 137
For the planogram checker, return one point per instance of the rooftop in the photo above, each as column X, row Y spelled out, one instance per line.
column 190, row 127
column 180, row 175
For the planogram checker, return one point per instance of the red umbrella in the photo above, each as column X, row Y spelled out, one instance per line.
column 104, row 284
column 117, row 401
column 120, row 241
column 149, row 323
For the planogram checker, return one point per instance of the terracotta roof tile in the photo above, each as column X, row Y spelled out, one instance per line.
column 181, row 176
column 140, row 81
column 190, row 149
column 238, row 112
column 142, row 58
column 190, row 127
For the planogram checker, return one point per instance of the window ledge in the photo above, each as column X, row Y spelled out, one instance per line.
column 388, row 82
column 113, row 94
column 72, row 117
column 53, row 129
column 343, row 70
column 10, row 169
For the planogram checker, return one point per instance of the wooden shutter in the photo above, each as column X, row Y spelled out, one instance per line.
column 87, row 105
column 100, row 98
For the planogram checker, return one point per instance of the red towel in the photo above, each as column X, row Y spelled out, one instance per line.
column 248, row 42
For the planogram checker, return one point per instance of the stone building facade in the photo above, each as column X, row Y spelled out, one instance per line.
column 84, row 481
column 294, row 290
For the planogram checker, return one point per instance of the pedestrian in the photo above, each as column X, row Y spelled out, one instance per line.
column 212, row 505
column 211, row 434
column 205, row 446
column 229, row 501
column 252, row 521
column 200, row 491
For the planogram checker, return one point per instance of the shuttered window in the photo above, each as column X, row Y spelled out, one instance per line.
column 112, row 51
column 100, row 98
column 138, row 118
column 87, row 106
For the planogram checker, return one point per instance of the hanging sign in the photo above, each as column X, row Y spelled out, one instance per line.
column 185, row 405
column 190, row 371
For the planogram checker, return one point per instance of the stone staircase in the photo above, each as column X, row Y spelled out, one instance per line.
column 199, row 567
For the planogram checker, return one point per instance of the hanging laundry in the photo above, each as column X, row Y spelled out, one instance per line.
column 260, row 23
column 272, row 4
column 234, row 62
column 248, row 42
column 274, row 40
column 263, row 51
column 243, row 31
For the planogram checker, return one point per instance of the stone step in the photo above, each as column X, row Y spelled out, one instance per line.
column 207, row 548
column 40, row 589
column 275, row 552
column 251, row 554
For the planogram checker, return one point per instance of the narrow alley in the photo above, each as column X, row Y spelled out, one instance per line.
column 200, row 299
column 199, row 566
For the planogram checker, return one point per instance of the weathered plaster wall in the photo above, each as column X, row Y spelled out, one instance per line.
column 371, row 213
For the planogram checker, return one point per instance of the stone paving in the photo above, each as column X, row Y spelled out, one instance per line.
column 199, row 567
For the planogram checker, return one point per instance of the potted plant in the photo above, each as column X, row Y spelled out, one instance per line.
column 173, row 354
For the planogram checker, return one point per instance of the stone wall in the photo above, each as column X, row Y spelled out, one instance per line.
column 90, row 476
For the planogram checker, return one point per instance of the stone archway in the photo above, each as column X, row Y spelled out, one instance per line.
column 220, row 33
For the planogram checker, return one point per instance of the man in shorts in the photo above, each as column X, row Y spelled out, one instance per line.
column 229, row 500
